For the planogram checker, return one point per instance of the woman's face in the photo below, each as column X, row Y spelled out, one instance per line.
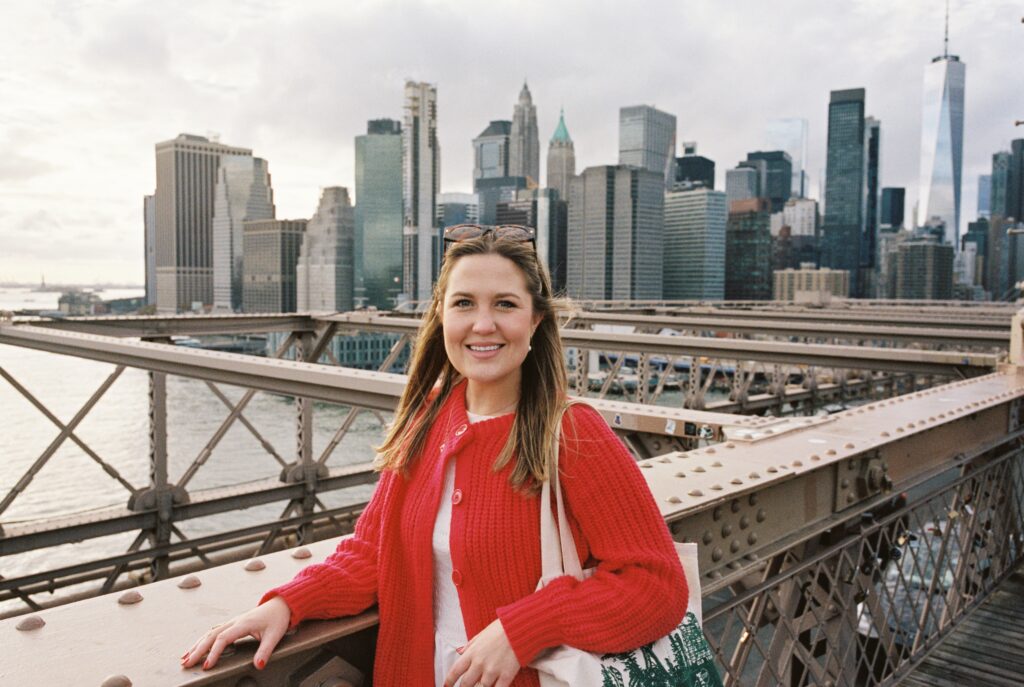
column 488, row 319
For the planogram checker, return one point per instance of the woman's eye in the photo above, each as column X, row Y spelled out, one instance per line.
column 506, row 305
column 462, row 303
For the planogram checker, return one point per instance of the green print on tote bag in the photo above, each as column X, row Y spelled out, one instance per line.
column 682, row 658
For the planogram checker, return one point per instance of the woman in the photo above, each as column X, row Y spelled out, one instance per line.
column 449, row 545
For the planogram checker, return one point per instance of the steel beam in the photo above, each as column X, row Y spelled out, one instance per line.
column 144, row 326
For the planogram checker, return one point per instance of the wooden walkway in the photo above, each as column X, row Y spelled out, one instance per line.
column 986, row 649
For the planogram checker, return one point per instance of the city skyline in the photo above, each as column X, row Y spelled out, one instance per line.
column 86, row 101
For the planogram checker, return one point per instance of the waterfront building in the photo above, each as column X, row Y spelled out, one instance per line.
column 846, row 187
column 186, row 176
column 889, row 239
column 271, row 248
column 808, row 284
column 999, row 199
column 421, row 182
column 548, row 214
column 695, row 169
column 491, row 151
column 325, row 275
column 790, row 135
column 942, row 141
column 984, row 206
column 524, row 139
column 616, row 227
column 378, row 214
column 561, row 159
column 891, row 212
column 924, row 270
column 149, row 246
column 975, row 243
column 243, row 192
column 748, row 251
column 741, row 183
column 778, row 176
column 694, row 255
column 647, row 139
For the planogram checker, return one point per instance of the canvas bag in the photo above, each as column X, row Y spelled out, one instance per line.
column 681, row 658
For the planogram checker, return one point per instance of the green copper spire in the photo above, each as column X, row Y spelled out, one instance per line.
column 561, row 133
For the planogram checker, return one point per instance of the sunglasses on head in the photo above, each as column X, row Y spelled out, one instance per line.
column 465, row 232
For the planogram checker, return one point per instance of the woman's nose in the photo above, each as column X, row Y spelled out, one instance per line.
column 484, row 323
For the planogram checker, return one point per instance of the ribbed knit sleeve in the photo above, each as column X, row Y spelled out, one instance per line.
column 346, row 582
column 638, row 592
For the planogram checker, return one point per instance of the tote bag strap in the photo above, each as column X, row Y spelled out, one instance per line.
column 558, row 549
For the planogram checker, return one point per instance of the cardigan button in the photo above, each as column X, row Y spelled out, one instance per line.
column 456, row 578
column 457, row 497
column 460, row 431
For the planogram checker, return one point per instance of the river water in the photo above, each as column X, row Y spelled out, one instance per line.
column 117, row 429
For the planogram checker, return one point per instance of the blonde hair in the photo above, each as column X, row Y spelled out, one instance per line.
column 543, row 384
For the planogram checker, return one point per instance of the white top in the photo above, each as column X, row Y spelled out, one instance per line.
column 449, row 630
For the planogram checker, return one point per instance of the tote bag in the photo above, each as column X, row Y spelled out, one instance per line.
column 682, row 658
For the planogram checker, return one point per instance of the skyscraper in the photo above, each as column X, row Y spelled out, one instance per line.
column 524, row 140
column 694, row 256
column 243, row 192
column 491, row 151
column 999, row 201
column 1015, row 181
column 421, row 181
column 984, row 208
column 561, row 159
column 742, row 183
column 186, row 175
column 942, row 141
column 647, row 139
column 845, row 185
column 325, row 275
column 695, row 169
column 790, row 135
column 924, row 270
column 149, row 246
column 616, row 226
column 271, row 248
column 778, row 176
column 893, row 200
column 378, row 214
column 456, row 208
column 748, row 251
column 545, row 211
column 866, row 279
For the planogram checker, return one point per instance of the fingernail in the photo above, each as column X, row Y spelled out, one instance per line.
column 460, row 649
column 206, row 664
column 260, row 664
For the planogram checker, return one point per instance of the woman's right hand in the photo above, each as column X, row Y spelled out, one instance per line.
column 267, row 623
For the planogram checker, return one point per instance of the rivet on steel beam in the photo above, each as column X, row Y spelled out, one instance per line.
column 735, row 546
column 911, row 425
column 680, row 474
column 754, row 475
column 752, row 538
column 931, row 418
column 850, row 498
column 716, row 555
column 117, row 681
column 708, row 537
column 848, row 444
column 762, row 515
column 301, row 553
column 716, row 487
column 699, row 468
column 815, row 456
column 255, row 564
column 830, row 452
column 899, row 430
column 189, row 582
column 885, row 434
column 29, row 623
column 726, row 530
column 717, row 464
column 772, row 470
column 716, row 514
column 798, row 463
column 744, row 522
column 646, row 465
column 674, row 499
column 129, row 597
column 695, row 492
column 769, row 431
column 711, row 450
column 664, row 460
column 730, row 445
column 736, row 480
column 752, row 499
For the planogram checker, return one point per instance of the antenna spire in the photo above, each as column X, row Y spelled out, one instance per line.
column 945, row 43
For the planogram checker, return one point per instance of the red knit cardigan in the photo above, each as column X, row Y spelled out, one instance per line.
column 638, row 593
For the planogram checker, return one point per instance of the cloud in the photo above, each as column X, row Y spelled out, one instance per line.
column 17, row 167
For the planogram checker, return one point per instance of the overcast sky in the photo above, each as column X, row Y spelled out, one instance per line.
column 87, row 88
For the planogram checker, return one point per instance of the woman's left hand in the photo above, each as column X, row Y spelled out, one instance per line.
column 487, row 660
